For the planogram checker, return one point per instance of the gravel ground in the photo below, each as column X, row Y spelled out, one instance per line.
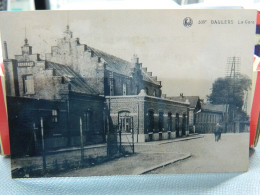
column 130, row 165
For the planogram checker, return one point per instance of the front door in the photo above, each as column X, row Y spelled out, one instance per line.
column 125, row 122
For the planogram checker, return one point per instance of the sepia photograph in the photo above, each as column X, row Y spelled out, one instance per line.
column 128, row 92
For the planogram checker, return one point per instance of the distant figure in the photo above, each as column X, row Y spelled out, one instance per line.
column 217, row 132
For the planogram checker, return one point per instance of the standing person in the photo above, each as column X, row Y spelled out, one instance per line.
column 217, row 132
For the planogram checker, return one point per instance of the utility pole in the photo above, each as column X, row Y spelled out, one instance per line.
column 233, row 72
column 81, row 141
column 43, row 148
column 111, row 92
column 132, row 127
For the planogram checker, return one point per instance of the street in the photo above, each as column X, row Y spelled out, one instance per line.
column 230, row 154
column 203, row 154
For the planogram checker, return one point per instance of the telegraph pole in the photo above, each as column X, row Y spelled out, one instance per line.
column 81, row 141
column 43, row 147
column 233, row 72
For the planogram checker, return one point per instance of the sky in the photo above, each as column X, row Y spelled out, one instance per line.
column 186, row 59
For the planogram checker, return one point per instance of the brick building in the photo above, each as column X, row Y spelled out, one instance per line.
column 151, row 118
column 55, row 93
column 93, row 83
column 121, row 82
column 194, row 108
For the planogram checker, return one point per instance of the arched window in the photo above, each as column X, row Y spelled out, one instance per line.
column 161, row 121
column 184, row 121
column 125, row 121
column 124, row 89
column 177, row 124
column 169, row 122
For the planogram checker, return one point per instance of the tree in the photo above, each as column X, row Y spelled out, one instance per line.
column 230, row 91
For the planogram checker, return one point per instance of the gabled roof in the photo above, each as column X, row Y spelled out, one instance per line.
column 78, row 84
column 120, row 66
column 213, row 107
column 193, row 100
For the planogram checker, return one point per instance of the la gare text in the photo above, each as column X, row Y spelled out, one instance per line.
column 226, row 22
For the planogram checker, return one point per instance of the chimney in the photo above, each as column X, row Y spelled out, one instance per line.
column 135, row 59
column 6, row 51
column 181, row 94
column 77, row 41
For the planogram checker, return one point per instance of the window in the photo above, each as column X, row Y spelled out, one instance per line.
column 191, row 118
column 177, row 124
column 88, row 120
column 111, row 83
column 54, row 116
column 169, row 121
column 184, row 121
column 125, row 121
column 124, row 89
column 28, row 84
column 147, row 91
column 137, row 89
column 154, row 93
column 160, row 121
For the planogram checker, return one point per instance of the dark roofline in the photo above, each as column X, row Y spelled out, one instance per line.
column 123, row 64
column 213, row 109
column 86, row 95
column 35, row 99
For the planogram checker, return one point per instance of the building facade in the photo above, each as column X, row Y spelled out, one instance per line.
column 209, row 116
column 56, row 94
column 95, row 89
column 194, row 109
column 151, row 118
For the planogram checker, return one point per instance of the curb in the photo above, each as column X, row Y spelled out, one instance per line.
column 183, row 139
column 163, row 164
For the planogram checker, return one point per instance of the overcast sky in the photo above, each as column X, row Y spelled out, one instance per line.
column 186, row 59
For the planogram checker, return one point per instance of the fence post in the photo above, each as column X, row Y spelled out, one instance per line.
column 133, row 142
column 43, row 147
column 81, row 140
column 120, row 140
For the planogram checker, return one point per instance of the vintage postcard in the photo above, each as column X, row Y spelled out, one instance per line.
column 128, row 92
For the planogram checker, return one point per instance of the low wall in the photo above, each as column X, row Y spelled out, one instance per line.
column 63, row 159
column 125, row 138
